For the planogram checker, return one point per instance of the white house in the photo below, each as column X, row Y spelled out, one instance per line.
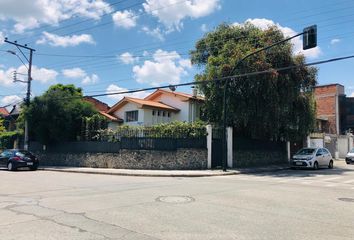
column 159, row 107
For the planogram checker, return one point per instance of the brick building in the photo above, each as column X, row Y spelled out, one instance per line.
column 335, row 111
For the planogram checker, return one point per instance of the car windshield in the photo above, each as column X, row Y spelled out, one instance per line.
column 306, row 151
column 352, row 151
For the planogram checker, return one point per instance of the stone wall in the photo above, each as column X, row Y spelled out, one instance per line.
column 258, row 158
column 187, row 159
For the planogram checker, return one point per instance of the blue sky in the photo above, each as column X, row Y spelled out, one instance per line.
column 104, row 46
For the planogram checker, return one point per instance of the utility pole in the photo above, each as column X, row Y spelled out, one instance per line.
column 29, row 79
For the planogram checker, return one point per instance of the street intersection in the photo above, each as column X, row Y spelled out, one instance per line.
column 287, row 204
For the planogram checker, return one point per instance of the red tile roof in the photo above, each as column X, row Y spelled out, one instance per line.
column 158, row 92
column 3, row 111
column 110, row 117
column 99, row 105
column 143, row 103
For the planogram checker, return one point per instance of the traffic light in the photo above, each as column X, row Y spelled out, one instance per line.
column 309, row 39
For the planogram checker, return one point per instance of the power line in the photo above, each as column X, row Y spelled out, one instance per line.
column 221, row 79
column 66, row 20
column 111, row 21
column 87, row 56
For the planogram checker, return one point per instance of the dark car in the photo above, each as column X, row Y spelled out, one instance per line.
column 17, row 158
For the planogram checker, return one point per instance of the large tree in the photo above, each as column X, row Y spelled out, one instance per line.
column 57, row 114
column 276, row 105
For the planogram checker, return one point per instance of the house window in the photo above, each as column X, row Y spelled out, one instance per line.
column 164, row 113
column 158, row 113
column 131, row 116
column 153, row 113
column 168, row 114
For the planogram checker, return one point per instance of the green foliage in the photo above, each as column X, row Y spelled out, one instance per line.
column 276, row 105
column 2, row 127
column 7, row 139
column 167, row 130
column 92, row 126
column 180, row 129
column 57, row 115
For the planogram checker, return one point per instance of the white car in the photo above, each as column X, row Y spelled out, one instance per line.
column 312, row 158
column 349, row 159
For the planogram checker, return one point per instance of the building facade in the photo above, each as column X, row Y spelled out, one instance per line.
column 334, row 110
column 159, row 107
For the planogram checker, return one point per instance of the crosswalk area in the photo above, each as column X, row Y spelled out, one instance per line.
column 341, row 176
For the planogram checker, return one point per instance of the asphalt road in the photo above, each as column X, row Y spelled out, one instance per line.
column 301, row 204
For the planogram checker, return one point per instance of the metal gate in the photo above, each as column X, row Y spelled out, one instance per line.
column 331, row 144
column 343, row 146
column 216, row 149
column 295, row 146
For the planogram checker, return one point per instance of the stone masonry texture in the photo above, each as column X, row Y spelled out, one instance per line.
column 181, row 159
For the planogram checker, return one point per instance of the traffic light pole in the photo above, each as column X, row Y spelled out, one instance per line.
column 306, row 31
column 29, row 79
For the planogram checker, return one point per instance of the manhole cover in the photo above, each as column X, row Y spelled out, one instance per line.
column 346, row 199
column 175, row 199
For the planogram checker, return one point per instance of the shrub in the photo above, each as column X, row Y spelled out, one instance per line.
column 7, row 139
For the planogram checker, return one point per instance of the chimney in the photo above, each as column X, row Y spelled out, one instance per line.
column 194, row 92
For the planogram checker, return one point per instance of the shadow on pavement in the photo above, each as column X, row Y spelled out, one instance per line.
column 337, row 170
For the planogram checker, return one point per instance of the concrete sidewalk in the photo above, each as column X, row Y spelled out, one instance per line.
column 163, row 173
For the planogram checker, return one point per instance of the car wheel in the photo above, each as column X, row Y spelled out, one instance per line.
column 330, row 165
column 10, row 167
column 315, row 166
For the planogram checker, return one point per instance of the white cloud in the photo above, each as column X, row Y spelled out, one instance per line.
column 264, row 24
column 2, row 37
column 186, row 63
column 32, row 14
column 116, row 89
column 43, row 75
column 30, row 23
column 74, row 73
column 172, row 12
column 204, row 28
column 352, row 95
column 65, row 41
column 335, row 41
column 77, row 73
column 126, row 19
column 156, row 33
column 166, row 67
column 90, row 79
column 6, row 76
column 10, row 100
column 128, row 58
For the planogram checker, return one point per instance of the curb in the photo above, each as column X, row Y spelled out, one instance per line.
column 141, row 174
column 186, row 174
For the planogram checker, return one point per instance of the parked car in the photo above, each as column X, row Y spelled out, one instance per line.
column 312, row 158
column 349, row 159
column 13, row 159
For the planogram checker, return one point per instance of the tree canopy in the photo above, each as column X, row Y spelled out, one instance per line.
column 57, row 114
column 276, row 105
